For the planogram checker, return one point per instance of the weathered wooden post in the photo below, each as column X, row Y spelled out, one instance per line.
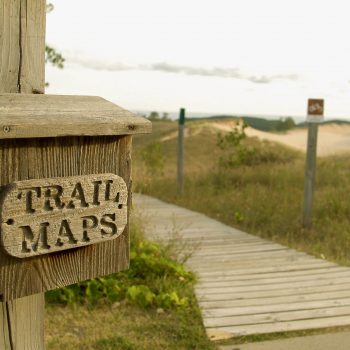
column 315, row 116
column 180, row 152
column 65, row 180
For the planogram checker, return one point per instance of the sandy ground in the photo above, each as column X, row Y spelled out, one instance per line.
column 332, row 138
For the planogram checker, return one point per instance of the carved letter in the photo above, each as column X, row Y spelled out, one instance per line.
column 108, row 189
column 29, row 197
column 53, row 192
column 108, row 192
column 33, row 241
column 96, row 192
column 65, row 234
column 89, row 222
column 107, row 221
column 77, row 195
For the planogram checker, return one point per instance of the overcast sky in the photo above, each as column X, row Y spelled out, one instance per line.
column 222, row 56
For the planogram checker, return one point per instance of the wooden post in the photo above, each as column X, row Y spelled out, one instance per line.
column 310, row 171
column 315, row 116
column 22, row 70
column 180, row 152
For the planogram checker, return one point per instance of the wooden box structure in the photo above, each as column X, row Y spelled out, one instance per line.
column 65, row 177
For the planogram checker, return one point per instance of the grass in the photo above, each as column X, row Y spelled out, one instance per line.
column 150, row 306
column 265, row 199
column 126, row 327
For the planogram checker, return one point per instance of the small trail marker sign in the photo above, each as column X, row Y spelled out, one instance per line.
column 315, row 110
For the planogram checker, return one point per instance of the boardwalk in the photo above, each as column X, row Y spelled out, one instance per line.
column 248, row 285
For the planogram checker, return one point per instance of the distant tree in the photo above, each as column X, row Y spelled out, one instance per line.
column 51, row 54
column 285, row 124
column 165, row 116
column 153, row 116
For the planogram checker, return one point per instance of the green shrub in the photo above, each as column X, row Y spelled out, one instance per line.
column 238, row 150
column 154, row 279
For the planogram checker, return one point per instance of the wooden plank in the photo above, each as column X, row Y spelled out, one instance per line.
column 229, row 245
column 269, row 254
column 236, row 331
column 330, row 276
column 228, row 266
column 261, row 309
column 263, row 274
column 203, row 240
column 274, row 299
column 276, row 286
column 226, row 252
column 256, row 261
column 31, row 116
column 219, row 297
column 277, row 317
column 246, row 270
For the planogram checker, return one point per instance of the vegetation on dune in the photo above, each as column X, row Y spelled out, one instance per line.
column 260, row 192
column 281, row 124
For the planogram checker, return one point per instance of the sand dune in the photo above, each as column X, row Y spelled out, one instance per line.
column 332, row 138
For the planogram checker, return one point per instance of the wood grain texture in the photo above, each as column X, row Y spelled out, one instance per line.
column 32, row 116
column 26, row 317
column 26, row 159
column 310, row 174
column 22, row 46
column 22, row 55
column 44, row 216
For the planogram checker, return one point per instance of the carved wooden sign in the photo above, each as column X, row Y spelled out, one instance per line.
column 49, row 215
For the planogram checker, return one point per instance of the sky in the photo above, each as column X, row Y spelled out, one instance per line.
column 248, row 57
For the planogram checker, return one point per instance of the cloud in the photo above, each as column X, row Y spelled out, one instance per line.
column 230, row 73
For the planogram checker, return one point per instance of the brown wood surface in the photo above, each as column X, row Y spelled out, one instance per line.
column 61, row 157
column 22, row 70
column 30, row 116
column 43, row 216
column 22, row 46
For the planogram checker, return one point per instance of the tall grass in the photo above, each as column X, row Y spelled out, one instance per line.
column 266, row 198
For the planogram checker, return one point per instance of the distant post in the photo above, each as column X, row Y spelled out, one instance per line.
column 180, row 152
column 315, row 112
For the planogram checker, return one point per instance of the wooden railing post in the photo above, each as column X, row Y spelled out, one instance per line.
column 180, row 152
column 22, row 70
